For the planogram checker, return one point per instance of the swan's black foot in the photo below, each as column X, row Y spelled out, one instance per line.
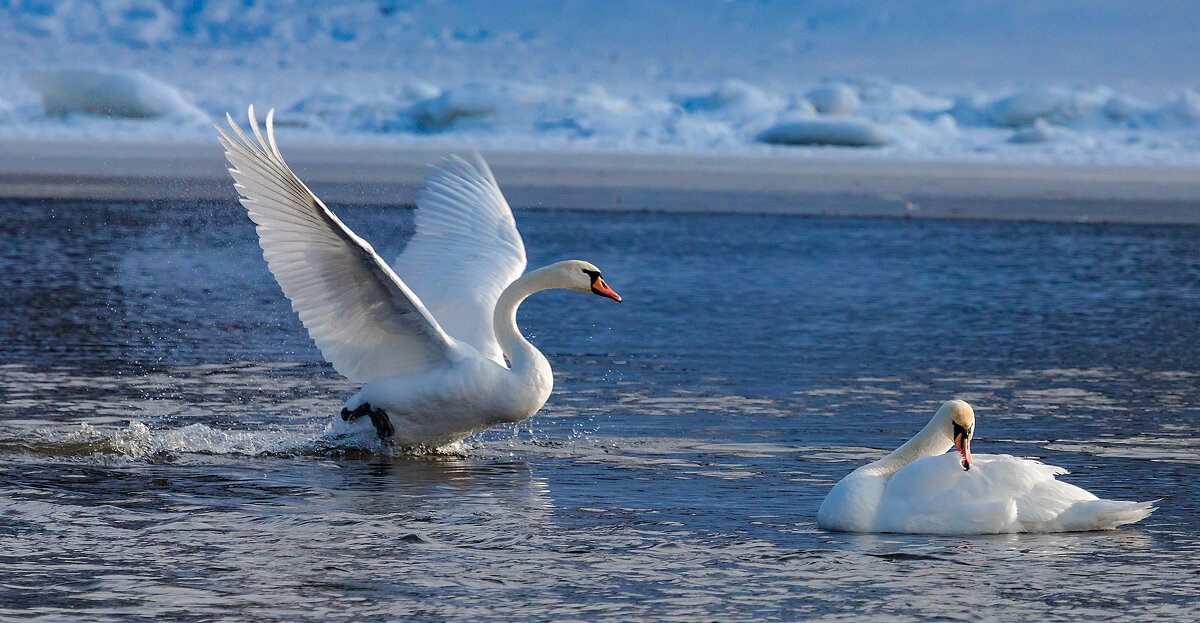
column 358, row 412
column 383, row 426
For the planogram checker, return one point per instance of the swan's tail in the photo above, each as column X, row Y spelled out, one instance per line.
column 1105, row 514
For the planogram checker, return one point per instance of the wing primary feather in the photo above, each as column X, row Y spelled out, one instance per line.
column 271, row 133
column 366, row 321
column 465, row 250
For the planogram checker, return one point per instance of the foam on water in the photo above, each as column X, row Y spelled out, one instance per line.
column 141, row 442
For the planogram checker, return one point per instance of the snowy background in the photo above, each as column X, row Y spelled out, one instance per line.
column 1056, row 81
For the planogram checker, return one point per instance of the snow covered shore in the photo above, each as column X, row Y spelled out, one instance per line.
column 1059, row 82
column 653, row 182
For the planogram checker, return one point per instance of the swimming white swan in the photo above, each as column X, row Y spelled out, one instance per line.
column 431, row 348
column 922, row 489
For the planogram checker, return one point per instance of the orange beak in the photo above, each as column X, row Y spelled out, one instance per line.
column 601, row 288
column 962, row 443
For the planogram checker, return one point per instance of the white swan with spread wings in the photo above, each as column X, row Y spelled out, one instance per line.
column 430, row 347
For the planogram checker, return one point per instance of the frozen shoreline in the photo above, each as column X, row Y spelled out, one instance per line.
column 1058, row 83
column 651, row 182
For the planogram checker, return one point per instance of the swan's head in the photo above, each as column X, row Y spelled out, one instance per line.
column 957, row 421
column 582, row 276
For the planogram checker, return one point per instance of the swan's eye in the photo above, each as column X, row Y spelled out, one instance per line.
column 593, row 274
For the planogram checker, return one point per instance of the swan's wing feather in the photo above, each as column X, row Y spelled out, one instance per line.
column 1001, row 493
column 934, row 495
column 365, row 320
column 465, row 250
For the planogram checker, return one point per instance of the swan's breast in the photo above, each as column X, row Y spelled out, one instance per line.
column 853, row 503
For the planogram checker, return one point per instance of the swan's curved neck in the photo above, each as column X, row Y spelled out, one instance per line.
column 930, row 441
column 521, row 354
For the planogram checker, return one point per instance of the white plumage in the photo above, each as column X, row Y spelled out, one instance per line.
column 922, row 489
column 432, row 355
column 465, row 251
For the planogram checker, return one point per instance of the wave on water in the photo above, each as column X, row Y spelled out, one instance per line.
column 139, row 441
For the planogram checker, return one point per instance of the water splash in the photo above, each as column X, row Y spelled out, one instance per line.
column 142, row 442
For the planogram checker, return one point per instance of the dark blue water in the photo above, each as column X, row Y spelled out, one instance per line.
column 160, row 410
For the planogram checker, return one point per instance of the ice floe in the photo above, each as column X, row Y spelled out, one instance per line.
column 846, row 132
column 731, row 95
column 838, row 99
column 468, row 102
column 126, row 94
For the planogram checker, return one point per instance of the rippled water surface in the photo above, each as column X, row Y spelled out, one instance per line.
column 161, row 413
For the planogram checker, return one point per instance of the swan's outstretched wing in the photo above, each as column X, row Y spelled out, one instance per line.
column 366, row 321
column 464, row 252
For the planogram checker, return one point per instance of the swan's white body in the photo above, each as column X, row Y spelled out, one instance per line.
column 430, row 348
column 923, row 489
column 447, row 403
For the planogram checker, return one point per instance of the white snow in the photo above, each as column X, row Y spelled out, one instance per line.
column 128, row 94
column 731, row 95
column 838, row 99
column 1104, row 81
column 1187, row 107
column 1053, row 104
column 1040, row 132
column 467, row 102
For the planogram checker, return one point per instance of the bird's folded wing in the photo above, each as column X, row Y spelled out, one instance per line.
column 464, row 252
column 365, row 320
